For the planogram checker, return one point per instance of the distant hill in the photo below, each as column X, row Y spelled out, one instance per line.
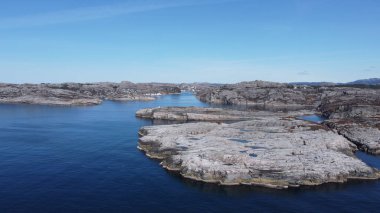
column 370, row 81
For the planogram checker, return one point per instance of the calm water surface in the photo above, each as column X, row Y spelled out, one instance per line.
column 84, row 159
column 313, row 118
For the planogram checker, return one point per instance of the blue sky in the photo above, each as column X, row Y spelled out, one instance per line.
column 189, row 40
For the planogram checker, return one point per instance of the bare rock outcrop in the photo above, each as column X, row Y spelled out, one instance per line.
column 267, row 151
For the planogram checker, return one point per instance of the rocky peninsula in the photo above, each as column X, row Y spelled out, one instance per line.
column 82, row 94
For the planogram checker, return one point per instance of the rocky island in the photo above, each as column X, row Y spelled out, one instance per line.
column 82, row 94
column 270, row 147
column 266, row 151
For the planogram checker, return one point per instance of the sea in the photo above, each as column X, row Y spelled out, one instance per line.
column 85, row 159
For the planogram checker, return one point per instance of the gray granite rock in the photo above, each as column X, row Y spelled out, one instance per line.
column 267, row 151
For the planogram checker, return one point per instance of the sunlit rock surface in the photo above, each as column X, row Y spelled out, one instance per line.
column 267, row 151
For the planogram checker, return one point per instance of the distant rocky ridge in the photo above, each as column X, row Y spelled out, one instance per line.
column 262, row 93
column 369, row 81
column 257, row 93
column 333, row 102
column 82, row 94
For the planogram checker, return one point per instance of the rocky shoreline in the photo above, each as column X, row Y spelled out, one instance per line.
column 272, row 148
column 68, row 94
column 271, row 151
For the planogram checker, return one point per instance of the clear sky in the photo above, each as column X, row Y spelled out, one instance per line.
column 189, row 40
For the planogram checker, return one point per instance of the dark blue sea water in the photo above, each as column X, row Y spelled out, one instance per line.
column 84, row 159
